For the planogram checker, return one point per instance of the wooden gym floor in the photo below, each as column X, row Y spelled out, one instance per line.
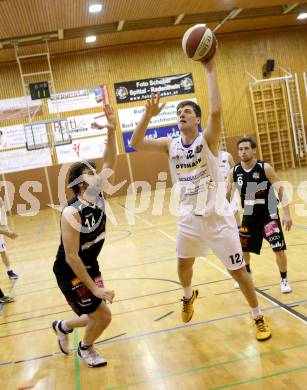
column 147, row 345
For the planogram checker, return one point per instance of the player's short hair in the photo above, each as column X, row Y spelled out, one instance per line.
column 194, row 105
column 247, row 139
column 75, row 172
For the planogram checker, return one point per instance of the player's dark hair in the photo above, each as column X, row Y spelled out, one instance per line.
column 194, row 105
column 75, row 172
column 247, row 139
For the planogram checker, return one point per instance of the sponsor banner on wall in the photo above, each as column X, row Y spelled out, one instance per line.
column 81, row 126
column 17, row 108
column 129, row 117
column 12, row 137
column 22, row 159
column 130, row 91
column 166, row 131
column 78, row 99
column 82, row 149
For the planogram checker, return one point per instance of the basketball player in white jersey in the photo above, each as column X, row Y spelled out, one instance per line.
column 6, row 231
column 201, row 224
column 226, row 163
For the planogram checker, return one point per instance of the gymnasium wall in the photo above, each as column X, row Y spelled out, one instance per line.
column 237, row 54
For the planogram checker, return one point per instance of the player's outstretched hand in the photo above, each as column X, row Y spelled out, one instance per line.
column 287, row 222
column 104, row 293
column 11, row 234
column 111, row 119
column 153, row 106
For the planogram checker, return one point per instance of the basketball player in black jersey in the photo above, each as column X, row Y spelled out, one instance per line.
column 257, row 182
column 76, row 266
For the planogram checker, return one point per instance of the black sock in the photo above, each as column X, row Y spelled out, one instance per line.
column 64, row 331
column 248, row 268
column 283, row 275
column 83, row 346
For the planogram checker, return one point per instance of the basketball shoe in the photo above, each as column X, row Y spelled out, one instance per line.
column 62, row 336
column 12, row 275
column 6, row 299
column 91, row 357
column 262, row 329
column 285, row 286
column 187, row 307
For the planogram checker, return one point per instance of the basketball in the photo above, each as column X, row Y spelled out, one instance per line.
column 199, row 43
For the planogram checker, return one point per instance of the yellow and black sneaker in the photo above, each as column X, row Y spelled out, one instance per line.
column 262, row 329
column 187, row 307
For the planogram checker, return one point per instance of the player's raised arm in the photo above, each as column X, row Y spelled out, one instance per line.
column 213, row 129
column 138, row 141
column 110, row 151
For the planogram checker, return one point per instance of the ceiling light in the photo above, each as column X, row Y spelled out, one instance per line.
column 302, row 16
column 90, row 39
column 95, row 8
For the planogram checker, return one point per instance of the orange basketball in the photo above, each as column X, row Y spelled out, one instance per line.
column 199, row 43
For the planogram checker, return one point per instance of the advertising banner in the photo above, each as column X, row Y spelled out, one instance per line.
column 166, row 131
column 78, row 100
column 82, row 126
column 12, row 137
column 17, row 108
column 22, row 159
column 156, row 132
column 82, row 149
column 129, row 91
column 129, row 117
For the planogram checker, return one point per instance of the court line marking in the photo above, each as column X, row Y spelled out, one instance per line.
column 272, row 300
column 260, row 378
column 138, row 310
column 215, row 365
column 161, row 331
column 165, row 315
column 149, row 334
column 300, row 227
column 76, row 360
column 283, row 307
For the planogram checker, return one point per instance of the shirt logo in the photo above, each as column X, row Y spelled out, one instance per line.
column 256, row 175
column 198, row 148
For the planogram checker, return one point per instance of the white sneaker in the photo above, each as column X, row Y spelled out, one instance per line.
column 63, row 340
column 285, row 286
column 91, row 357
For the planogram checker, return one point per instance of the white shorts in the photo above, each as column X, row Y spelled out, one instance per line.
column 2, row 244
column 197, row 234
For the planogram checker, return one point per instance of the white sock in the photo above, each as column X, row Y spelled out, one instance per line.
column 256, row 312
column 64, row 326
column 187, row 292
column 8, row 268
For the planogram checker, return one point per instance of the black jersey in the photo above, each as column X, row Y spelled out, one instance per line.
column 92, row 235
column 256, row 192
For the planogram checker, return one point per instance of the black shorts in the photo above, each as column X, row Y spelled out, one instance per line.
column 255, row 228
column 78, row 296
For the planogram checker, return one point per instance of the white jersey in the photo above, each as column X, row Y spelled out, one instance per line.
column 225, row 169
column 199, row 182
column 224, row 163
